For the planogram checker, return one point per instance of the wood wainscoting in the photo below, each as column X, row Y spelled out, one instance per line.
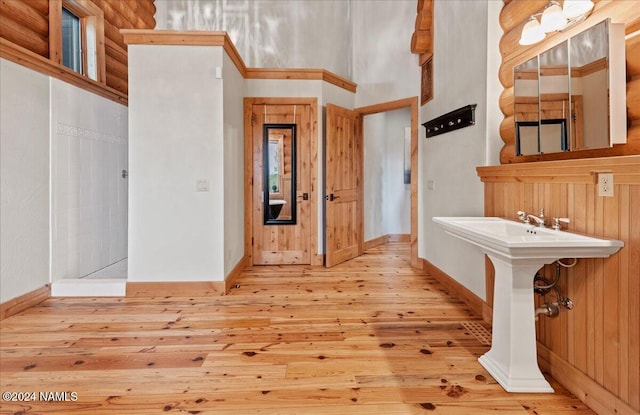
column 600, row 336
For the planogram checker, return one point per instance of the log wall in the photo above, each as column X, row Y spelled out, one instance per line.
column 26, row 24
column 513, row 17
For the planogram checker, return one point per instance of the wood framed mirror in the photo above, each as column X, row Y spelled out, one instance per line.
column 279, row 173
column 575, row 90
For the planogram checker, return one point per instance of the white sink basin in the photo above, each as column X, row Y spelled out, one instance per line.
column 518, row 251
column 520, row 241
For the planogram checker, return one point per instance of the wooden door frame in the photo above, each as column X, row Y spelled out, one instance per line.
column 248, row 171
column 412, row 104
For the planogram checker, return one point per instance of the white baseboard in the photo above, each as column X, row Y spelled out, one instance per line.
column 89, row 288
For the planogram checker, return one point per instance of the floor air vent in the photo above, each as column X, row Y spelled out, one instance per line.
column 482, row 334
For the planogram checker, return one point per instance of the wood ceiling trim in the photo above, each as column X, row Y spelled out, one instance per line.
column 199, row 38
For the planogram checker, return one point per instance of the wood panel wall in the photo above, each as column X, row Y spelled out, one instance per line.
column 594, row 349
column 513, row 17
column 26, row 24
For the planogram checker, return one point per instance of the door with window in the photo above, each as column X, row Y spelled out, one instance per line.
column 281, row 187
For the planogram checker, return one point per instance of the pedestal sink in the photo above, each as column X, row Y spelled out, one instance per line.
column 517, row 251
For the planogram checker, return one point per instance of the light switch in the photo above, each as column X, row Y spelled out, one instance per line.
column 202, row 185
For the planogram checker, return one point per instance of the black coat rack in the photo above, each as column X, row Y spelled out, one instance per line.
column 454, row 120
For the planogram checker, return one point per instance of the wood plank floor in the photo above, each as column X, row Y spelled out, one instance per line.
column 371, row 336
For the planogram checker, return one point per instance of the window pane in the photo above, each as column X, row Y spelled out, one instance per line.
column 71, row 41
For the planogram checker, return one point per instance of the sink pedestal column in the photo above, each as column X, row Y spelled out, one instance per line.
column 513, row 359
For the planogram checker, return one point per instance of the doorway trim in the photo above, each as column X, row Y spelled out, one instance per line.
column 248, row 172
column 411, row 103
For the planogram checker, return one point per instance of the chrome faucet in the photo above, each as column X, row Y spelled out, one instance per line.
column 557, row 223
column 538, row 220
column 523, row 216
column 527, row 217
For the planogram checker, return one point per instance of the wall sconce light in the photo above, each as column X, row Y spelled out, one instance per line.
column 554, row 18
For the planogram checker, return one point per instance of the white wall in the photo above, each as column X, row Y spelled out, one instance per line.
column 387, row 200
column 24, row 180
column 374, row 130
column 397, row 194
column 175, row 139
column 449, row 160
column 383, row 66
column 282, row 88
column 63, row 211
column 233, row 115
column 89, row 196
column 494, row 87
column 273, row 33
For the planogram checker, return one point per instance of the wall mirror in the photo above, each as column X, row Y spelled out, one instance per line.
column 279, row 174
column 597, row 70
column 554, row 98
column 578, row 89
column 527, row 107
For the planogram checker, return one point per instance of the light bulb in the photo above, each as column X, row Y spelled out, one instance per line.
column 552, row 18
column 531, row 32
column 574, row 8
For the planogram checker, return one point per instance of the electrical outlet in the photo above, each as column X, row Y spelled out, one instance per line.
column 605, row 184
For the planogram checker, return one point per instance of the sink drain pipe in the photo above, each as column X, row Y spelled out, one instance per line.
column 552, row 309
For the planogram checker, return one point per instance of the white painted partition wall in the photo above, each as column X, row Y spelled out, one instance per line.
column 176, row 159
column 233, row 84
column 387, row 199
column 449, row 183
column 24, row 180
column 186, row 127
column 88, row 193
column 63, row 212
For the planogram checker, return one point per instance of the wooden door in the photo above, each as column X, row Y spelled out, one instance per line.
column 282, row 243
column 343, row 187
